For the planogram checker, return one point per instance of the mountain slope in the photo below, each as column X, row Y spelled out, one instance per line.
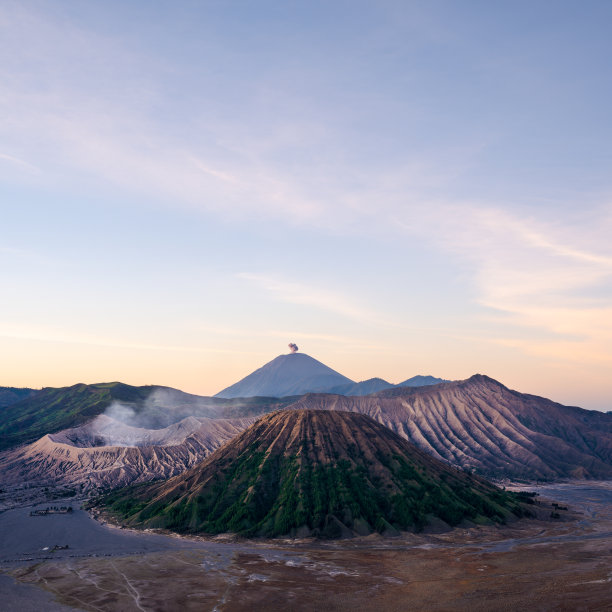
column 364, row 387
column 286, row 375
column 106, row 453
column 55, row 409
column 421, row 381
column 479, row 424
column 373, row 385
column 12, row 395
column 52, row 409
column 313, row 472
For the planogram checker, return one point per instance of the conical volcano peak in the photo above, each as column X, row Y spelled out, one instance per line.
column 310, row 472
column 290, row 374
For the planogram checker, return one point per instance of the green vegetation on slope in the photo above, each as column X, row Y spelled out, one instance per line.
column 12, row 395
column 263, row 493
column 323, row 498
column 52, row 410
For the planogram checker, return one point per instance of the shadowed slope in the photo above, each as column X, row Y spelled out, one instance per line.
column 480, row 424
column 421, row 381
column 313, row 472
column 12, row 395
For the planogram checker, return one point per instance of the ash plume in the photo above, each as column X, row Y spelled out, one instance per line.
column 293, row 347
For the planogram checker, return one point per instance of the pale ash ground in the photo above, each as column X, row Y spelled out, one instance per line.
column 547, row 566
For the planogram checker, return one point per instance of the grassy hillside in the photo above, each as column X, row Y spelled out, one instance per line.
column 51, row 409
column 54, row 409
column 11, row 395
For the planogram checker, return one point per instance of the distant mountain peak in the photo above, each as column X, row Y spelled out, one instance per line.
column 298, row 373
column 290, row 374
column 422, row 381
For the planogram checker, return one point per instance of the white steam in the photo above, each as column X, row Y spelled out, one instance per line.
column 166, row 414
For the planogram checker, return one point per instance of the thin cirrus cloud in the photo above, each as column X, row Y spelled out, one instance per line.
column 71, row 126
column 536, row 278
column 312, row 296
column 57, row 335
column 20, row 163
column 232, row 165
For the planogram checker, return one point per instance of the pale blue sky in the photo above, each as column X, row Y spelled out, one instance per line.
column 397, row 187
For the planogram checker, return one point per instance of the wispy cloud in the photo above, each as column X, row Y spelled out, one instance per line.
column 39, row 333
column 244, row 164
column 16, row 161
column 552, row 280
column 310, row 295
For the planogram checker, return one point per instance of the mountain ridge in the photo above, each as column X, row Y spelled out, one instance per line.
column 310, row 472
column 53, row 409
column 479, row 424
column 299, row 373
column 12, row 395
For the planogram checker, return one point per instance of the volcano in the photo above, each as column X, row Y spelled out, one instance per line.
column 479, row 424
column 292, row 374
column 310, row 472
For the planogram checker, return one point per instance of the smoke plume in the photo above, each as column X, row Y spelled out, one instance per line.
column 293, row 347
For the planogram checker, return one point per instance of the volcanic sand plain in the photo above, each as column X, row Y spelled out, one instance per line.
column 562, row 564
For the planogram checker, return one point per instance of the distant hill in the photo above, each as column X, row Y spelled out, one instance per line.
column 292, row 374
column 12, row 395
column 304, row 472
column 54, row 409
column 365, row 387
column 373, row 385
column 481, row 425
column 421, row 381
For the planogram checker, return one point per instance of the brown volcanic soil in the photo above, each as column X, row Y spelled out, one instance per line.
column 531, row 565
column 321, row 472
column 476, row 424
column 480, row 424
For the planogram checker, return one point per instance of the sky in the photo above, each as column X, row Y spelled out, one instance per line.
column 399, row 188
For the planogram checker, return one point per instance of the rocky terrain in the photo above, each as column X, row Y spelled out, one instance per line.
column 111, row 434
column 309, row 472
column 481, row 425
column 107, row 453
